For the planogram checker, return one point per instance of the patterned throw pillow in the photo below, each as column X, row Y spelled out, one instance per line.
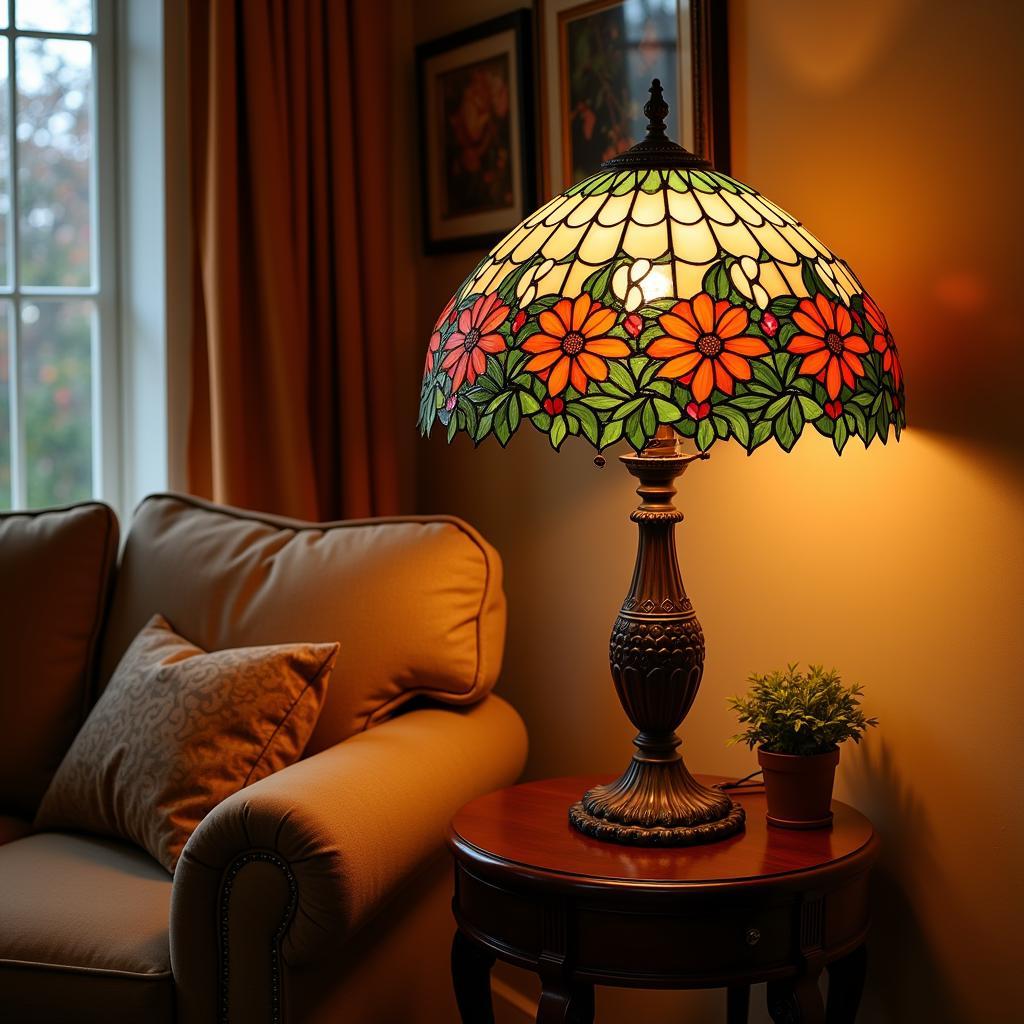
column 178, row 729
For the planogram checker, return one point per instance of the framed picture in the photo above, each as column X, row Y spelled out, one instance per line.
column 597, row 61
column 477, row 133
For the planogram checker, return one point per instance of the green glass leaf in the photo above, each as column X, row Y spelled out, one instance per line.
column 468, row 411
column 738, row 423
column 764, row 373
column 677, row 182
column 796, row 418
column 453, row 427
column 716, row 281
column 620, row 376
column 787, row 332
column 840, row 436
column 701, row 182
column 814, row 283
column 514, row 415
column 809, row 407
column 483, row 428
column 502, row 430
column 611, row 433
column 783, row 305
column 498, row 401
column 784, row 434
column 761, row 432
column 635, row 432
column 705, row 435
column 628, row 408
column 625, row 183
column 559, row 429
column 528, row 403
column 649, row 420
column 667, row 412
column 587, row 419
column 751, row 403
column 651, row 182
column 602, row 401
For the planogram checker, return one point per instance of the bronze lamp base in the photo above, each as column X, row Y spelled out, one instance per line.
column 657, row 660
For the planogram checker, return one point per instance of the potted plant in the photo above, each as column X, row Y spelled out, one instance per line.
column 797, row 721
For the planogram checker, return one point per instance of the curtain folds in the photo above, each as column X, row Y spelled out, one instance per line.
column 291, row 174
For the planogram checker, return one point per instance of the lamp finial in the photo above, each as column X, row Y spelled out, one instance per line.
column 656, row 110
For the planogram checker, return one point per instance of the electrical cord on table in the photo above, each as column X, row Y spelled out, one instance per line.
column 743, row 783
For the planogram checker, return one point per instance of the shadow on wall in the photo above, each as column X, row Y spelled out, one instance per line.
column 903, row 987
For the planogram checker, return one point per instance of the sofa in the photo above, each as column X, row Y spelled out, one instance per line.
column 319, row 893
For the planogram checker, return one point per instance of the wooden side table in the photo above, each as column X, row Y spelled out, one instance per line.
column 768, row 905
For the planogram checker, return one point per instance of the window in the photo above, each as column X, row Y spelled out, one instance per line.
column 58, row 310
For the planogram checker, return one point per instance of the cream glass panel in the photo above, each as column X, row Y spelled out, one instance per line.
column 646, row 241
column 649, row 208
column 694, row 242
column 615, row 210
column 736, row 239
column 684, row 208
column 563, row 242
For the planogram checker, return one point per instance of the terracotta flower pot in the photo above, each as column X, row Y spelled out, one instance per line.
column 799, row 788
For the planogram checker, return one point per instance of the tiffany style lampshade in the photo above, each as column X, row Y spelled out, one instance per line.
column 654, row 300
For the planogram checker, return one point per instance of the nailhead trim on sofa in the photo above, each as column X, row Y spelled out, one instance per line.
column 230, row 875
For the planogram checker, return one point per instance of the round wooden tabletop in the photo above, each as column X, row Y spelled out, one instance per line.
column 526, row 828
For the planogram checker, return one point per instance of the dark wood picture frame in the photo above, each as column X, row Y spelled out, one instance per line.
column 481, row 229
column 705, row 88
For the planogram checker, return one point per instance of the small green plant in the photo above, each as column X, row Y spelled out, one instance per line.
column 790, row 712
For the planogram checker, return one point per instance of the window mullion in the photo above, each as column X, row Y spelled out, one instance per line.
column 19, row 474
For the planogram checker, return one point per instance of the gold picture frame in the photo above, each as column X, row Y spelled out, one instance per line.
column 597, row 58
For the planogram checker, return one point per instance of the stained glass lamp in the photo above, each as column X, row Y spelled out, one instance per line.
column 655, row 300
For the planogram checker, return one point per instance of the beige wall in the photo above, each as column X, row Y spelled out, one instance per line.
column 893, row 129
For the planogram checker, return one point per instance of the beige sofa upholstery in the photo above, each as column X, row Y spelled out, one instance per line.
column 286, row 888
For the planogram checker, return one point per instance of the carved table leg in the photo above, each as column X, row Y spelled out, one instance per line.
column 797, row 1001
column 737, row 1004
column 471, row 976
column 845, row 985
column 565, row 1002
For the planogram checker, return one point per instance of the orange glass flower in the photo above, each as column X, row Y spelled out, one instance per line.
column 830, row 349
column 883, row 341
column 573, row 343
column 474, row 336
column 706, row 345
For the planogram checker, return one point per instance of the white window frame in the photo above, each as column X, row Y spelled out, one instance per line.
column 107, row 475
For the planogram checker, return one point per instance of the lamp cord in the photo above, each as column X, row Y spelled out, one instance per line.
column 743, row 783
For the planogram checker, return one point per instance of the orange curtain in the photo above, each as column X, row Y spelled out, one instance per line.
column 292, row 378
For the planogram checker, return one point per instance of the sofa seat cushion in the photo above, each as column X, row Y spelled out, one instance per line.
column 12, row 828
column 416, row 603
column 93, row 915
column 56, row 568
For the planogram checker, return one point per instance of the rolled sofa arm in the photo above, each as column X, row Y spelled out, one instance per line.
column 305, row 856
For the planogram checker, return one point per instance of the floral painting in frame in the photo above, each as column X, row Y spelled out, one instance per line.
column 477, row 133
column 597, row 61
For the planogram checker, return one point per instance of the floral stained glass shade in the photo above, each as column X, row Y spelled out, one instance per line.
column 678, row 296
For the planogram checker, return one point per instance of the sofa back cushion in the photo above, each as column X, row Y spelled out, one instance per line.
column 416, row 603
column 55, row 573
